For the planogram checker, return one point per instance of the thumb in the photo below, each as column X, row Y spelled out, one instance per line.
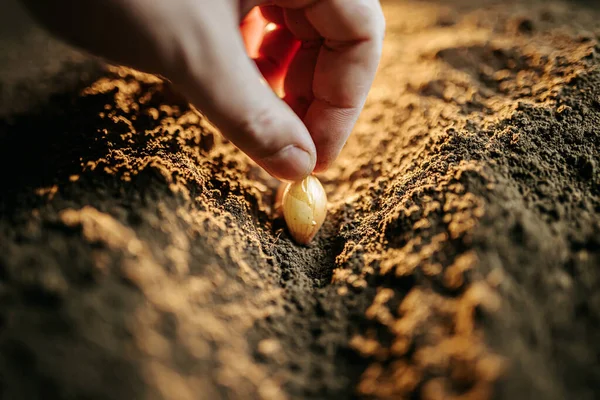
column 227, row 87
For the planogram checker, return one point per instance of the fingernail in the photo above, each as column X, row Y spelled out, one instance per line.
column 290, row 163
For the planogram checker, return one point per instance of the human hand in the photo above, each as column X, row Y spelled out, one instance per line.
column 323, row 54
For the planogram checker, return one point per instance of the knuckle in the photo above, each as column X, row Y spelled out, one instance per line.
column 373, row 20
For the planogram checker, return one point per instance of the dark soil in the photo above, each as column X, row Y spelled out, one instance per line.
column 141, row 257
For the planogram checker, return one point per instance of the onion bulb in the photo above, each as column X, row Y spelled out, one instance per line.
column 304, row 205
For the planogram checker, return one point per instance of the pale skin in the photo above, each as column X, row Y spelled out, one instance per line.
column 322, row 54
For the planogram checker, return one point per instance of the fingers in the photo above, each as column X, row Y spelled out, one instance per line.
column 273, row 14
column 277, row 49
column 298, row 86
column 226, row 87
column 299, row 25
column 274, row 56
column 352, row 32
column 341, row 83
column 252, row 30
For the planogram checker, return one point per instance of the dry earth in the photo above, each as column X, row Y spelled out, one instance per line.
column 140, row 255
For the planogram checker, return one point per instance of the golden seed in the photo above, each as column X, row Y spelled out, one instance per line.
column 304, row 206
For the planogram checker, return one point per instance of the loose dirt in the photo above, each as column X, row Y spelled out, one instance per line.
column 141, row 256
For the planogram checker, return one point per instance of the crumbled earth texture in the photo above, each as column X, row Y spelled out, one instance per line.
column 141, row 255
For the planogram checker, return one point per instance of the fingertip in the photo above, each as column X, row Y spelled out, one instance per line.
column 292, row 163
column 324, row 163
column 330, row 128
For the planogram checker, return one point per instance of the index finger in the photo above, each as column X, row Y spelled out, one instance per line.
column 352, row 32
